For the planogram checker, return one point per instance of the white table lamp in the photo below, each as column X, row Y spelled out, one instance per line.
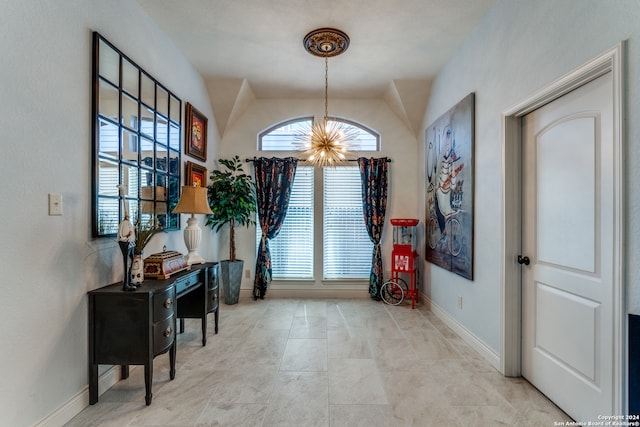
column 193, row 200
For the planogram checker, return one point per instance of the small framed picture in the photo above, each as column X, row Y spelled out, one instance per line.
column 196, row 174
column 195, row 133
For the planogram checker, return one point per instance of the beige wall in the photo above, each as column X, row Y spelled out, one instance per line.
column 520, row 47
column 398, row 143
column 50, row 262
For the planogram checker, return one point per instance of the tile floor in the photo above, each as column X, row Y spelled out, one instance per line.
column 288, row 362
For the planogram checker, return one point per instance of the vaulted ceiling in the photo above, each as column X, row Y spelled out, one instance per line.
column 247, row 49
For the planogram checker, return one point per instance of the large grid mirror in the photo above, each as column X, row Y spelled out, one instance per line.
column 136, row 143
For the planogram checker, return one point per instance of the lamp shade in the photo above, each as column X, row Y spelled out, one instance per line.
column 193, row 200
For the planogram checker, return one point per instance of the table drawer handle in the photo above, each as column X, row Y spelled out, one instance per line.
column 168, row 303
column 167, row 332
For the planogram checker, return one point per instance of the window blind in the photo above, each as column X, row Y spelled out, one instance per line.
column 292, row 249
column 347, row 249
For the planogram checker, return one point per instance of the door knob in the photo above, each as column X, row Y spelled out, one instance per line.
column 523, row 260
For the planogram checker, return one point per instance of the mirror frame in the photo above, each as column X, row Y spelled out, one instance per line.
column 144, row 155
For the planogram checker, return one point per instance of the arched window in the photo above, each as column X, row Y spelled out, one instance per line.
column 282, row 136
column 344, row 243
column 368, row 139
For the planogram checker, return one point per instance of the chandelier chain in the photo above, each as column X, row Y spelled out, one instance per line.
column 326, row 89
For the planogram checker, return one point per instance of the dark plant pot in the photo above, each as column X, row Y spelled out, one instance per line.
column 231, row 277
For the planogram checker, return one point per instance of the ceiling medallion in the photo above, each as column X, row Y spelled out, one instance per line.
column 326, row 42
column 326, row 143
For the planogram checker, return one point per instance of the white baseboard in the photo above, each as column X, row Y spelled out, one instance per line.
column 487, row 353
column 72, row 407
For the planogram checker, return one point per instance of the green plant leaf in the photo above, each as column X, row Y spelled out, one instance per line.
column 232, row 198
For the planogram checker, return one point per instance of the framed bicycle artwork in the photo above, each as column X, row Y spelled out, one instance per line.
column 449, row 145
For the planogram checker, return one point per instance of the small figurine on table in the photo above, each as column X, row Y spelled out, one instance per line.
column 126, row 240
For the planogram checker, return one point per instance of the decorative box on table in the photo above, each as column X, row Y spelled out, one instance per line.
column 163, row 264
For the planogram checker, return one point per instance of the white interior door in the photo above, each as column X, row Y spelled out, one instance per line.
column 568, row 236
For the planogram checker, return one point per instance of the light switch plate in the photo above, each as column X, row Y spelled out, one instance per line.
column 55, row 204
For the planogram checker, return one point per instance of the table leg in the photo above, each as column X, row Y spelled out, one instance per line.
column 172, row 361
column 124, row 372
column 93, row 383
column 204, row 328
column 148, row 379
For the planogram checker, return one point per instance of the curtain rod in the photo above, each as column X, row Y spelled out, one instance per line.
column 388, row 160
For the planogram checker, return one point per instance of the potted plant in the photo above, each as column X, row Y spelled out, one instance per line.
column 232, row 200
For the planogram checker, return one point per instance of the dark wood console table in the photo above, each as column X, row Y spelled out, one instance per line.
column 131, row 328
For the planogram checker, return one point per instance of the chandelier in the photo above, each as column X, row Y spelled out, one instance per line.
column 326, row 143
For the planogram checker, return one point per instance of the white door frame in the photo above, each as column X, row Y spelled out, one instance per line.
column 511, row 292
